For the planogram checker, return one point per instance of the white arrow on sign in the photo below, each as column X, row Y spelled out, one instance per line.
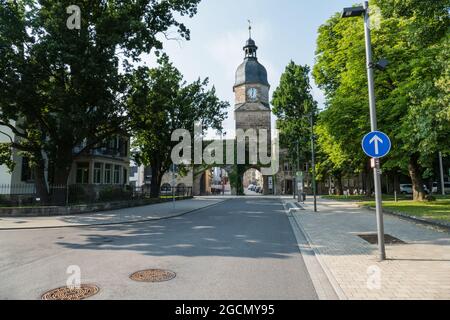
column 376, row 139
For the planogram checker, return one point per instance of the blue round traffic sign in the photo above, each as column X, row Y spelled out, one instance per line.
column 376, row 144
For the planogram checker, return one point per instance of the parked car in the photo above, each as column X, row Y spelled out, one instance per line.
column 408, row 189
column 437, row 187
column 434, row 188
column 257, row 189
column 166, row 189
column 250, row 187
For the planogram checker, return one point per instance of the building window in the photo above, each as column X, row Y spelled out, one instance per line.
column 97, row 173
column 107, row 174
column 116, row 174
column 114, row 145
column 287, row 167
column 125, row 176
column 125, row 151
column 83, row 173
column 27, row 174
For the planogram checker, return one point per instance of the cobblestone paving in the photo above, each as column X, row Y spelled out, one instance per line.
column 419, row 269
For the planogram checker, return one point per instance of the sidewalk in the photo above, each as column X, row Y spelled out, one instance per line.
column 136, row 214
column 419, row 269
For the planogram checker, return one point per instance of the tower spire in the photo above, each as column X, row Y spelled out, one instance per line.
column 250, row 47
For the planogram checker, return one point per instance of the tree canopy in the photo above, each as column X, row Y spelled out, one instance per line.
column 61, row 88
column 293, row 105
column 159, row 103
column 412, row 93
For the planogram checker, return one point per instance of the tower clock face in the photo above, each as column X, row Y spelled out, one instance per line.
column 252, row 94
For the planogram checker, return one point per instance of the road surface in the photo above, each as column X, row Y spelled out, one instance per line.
column 238, row 249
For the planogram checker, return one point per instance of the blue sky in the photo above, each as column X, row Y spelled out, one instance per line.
column 282, row 29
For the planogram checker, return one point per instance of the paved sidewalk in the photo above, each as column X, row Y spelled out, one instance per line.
column 419, row 269
column 136, row 214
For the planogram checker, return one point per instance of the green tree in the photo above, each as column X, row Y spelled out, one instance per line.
column 412, row 96
column 159, row 103
column 62, row 88
column 293, row 105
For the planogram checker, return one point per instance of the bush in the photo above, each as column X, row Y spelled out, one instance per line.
column 111, row 193
column 430, row 198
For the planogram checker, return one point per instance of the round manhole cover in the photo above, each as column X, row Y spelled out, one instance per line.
column 153, row 275
column 67, row 293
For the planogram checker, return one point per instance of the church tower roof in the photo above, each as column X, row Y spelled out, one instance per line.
column 251, row 71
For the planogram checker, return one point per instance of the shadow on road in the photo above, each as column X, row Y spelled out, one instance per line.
column 253, row 228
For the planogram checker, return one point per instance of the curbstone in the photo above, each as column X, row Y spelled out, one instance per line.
column 431, row 222
column 17, row 212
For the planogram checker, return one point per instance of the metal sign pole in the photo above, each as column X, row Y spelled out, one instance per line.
column 173, row 185
column 373, row 122
column 441, row 167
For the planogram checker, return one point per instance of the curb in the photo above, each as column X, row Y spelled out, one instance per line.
column 405, row 216
column 334, row 284
column 77, row 210
column 116, row 223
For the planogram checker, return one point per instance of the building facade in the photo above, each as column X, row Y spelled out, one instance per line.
column 105, row 165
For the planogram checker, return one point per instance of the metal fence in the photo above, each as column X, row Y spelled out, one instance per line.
column 60, row 195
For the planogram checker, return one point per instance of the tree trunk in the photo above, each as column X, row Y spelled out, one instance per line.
column 61, row 170
column 338, row 184
column 415, row 172
column 60, row 185
column 396, row 183
column 40, row 182
column 155, row 187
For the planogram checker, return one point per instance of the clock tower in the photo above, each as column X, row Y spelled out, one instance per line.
column 251, row 89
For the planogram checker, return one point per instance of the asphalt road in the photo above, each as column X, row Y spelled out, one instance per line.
column 239, row 249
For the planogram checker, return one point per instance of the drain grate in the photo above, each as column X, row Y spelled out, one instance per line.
column 153, row 275
column 372, row 238
column 66, row 293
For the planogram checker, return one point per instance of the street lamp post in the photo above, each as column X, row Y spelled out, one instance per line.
column 364, row 11
column 313, row 161
column 297, row 168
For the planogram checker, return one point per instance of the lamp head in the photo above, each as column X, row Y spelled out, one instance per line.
column 353, row 12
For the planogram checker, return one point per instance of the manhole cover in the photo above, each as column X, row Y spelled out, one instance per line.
column 153, row 275
column 66, row 293
column 372, row 238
